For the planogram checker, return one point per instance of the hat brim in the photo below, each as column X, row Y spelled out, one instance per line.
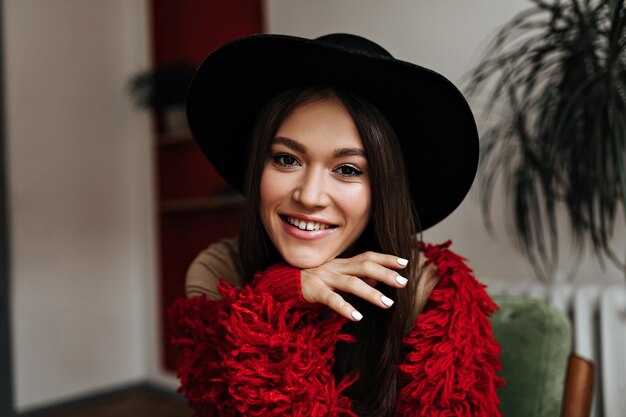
column 430, row 116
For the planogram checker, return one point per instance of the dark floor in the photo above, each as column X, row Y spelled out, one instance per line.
column 126, row 404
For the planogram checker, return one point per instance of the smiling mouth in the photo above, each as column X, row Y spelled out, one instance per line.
column 308, row 226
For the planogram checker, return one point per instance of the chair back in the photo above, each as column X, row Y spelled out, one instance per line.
column 536, row 341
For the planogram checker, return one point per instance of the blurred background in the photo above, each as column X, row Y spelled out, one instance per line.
column 108, row 200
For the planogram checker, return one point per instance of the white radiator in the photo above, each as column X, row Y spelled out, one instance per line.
column 598, row 316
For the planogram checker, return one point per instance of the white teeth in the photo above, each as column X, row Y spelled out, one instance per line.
column 303, row 225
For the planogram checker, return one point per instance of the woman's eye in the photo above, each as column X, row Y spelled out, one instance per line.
column 348, row 171
column 285, row 160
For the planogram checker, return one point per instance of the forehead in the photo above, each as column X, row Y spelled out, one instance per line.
column 324, row 123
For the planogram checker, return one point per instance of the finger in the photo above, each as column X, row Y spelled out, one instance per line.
column 421, row 258
column 341, row 306
column 369, row 281
column 367, row 269
column 388, row 261
column 358, row 287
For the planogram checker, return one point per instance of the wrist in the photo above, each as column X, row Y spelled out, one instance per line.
column 282, row 281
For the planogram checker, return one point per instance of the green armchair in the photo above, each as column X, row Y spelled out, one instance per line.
column 543, row 378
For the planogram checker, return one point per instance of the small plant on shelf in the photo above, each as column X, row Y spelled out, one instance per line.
column 164, row 90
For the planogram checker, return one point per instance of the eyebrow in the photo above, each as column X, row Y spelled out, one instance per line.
column 298, row 147
column 343, row 152
column 290, row 143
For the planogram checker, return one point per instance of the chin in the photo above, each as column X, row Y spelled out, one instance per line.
column 305, row 260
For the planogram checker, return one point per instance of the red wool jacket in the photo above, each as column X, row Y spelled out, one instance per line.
column 264, row 351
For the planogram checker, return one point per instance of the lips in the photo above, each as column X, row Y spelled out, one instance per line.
column 306, row 224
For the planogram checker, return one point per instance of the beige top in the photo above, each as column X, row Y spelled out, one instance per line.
column 221, row 260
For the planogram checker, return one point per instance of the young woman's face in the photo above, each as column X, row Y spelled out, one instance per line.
column 315, row 186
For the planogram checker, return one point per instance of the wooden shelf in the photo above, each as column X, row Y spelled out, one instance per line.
column 173, row 138
column 200, row 204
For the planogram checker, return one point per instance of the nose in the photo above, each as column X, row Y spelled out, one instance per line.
column 311, row 192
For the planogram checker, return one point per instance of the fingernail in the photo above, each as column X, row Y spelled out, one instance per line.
column 386, row 301
column 401, row 280
column 356, row 315
column 403, row 262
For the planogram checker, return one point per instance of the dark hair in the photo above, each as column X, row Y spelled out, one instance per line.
column 391, row 230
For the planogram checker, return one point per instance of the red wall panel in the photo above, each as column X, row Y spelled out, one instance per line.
column 184, row 236
column 189, row 30
column 184, row 172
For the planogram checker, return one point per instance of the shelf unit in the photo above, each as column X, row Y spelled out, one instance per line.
column 194, row 207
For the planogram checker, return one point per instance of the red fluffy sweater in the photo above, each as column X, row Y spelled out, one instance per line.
column 264, row 351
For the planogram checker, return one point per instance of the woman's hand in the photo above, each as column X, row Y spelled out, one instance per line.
column 357, row 275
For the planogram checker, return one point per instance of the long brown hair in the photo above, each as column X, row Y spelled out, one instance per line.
column 392, row 229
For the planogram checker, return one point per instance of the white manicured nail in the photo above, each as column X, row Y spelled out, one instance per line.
column 401, row 280
column 356, row 315
column 403, row 262
column 386, row 301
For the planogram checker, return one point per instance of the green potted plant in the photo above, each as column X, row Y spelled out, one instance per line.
column 164, row 90
column 556, row 74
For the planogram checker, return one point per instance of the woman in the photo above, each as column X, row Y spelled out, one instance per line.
column 328, row 199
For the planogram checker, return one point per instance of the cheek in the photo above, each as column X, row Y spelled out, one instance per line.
column 366, row 201
column 273, row 191
column 362, row 203
column 358, row 205
column 365, row 216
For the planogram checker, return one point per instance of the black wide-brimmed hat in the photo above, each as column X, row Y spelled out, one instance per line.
column 429, row 115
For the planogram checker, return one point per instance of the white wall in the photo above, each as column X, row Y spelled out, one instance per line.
column 81, row 198
column 447, row 36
